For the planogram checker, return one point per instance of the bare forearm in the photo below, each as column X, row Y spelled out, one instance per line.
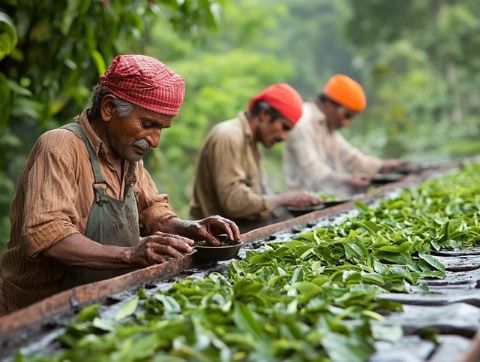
column 178, row 226
column 173, row 225
column 79, row 250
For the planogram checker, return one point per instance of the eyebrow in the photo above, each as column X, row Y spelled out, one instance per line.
column 155, row 121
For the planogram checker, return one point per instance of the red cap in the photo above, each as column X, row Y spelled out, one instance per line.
column 283, row 98
column 145, row 82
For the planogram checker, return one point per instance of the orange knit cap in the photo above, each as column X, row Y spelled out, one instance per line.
column 346, row 92
column 283, row 98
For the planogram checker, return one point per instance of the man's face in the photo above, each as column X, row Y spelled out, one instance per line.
column 272, row 131
column 131, row 137
column 338, row 116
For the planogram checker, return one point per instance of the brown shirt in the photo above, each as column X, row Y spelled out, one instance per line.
column 229, row 176
column 53, row 200
column 313, row 154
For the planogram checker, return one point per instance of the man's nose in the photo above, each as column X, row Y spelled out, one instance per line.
column 284, row 135
column 153, row 138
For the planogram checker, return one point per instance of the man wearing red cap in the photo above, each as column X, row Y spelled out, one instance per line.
column 84, row 198
column 317, row 157
column 229, row 177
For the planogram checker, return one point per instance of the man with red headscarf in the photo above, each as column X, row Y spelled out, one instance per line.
column 317, row 157
column 229, row 176
column 84, row 198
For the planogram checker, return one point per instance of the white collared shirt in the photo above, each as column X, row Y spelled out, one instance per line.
column 313, row 154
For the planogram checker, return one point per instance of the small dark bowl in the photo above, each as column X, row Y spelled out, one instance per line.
column 296, row 211
column 385, row 178
column 334, row 202
column 208, row 253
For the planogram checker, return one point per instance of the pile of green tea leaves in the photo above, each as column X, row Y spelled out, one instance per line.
column 327, row 197
column 312, row 298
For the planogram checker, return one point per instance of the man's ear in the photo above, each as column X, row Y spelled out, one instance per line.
column 107, row 108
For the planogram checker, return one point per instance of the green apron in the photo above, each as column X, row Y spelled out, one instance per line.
column 111, row 222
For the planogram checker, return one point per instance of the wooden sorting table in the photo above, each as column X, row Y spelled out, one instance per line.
column 456, row 300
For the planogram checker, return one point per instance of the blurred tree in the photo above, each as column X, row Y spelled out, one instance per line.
column 51, row 54
column 420, row 62
column 311, row 37
column 417, row 59
column 222, row 73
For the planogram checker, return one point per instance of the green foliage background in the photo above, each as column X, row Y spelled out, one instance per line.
column 418, row 61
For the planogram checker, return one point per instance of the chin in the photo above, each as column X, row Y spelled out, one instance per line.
column 135, row 158
column 132, row 157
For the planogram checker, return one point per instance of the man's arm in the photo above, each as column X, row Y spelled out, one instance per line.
column 234, row 184
column 293, row 198
column 353, row 160
column 79, row 250
column 304, row 158
column 155, row 215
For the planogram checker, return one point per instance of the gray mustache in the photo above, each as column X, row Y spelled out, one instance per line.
column 143, row 145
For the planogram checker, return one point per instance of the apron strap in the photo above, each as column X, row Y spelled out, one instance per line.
column 110, row 222
column 78, row 130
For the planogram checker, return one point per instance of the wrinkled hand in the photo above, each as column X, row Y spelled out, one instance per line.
column 299, row 199
column 208, row 228
column 159, row 248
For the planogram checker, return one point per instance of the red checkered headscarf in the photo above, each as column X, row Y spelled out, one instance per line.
column 145, row 82
column 283, row 98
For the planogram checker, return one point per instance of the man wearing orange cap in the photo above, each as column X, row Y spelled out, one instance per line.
column 229, row 177
column 84, row 198
column 317, row 157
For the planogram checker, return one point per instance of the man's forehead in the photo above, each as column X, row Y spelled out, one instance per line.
column 153, row 116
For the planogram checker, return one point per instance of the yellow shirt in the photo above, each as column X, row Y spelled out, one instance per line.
column 313, row 154
column 229, row 177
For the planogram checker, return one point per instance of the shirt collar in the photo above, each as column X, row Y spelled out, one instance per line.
column 98, row 145
column 317, row 113
column 247, row 130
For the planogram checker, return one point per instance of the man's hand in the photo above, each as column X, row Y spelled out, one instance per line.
column 158, row 248
column 294, row 198
column 390, row 165
column 358, row 182
column 206, row 229
column 77, row 249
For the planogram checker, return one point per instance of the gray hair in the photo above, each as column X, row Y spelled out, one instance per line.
column 122, row 107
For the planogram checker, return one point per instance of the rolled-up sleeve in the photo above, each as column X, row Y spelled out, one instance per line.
column 153, row 207
column 50, row 194
column 235, row 187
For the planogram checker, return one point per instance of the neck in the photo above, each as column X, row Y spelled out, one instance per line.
column 321, row 106
column 99, row 129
